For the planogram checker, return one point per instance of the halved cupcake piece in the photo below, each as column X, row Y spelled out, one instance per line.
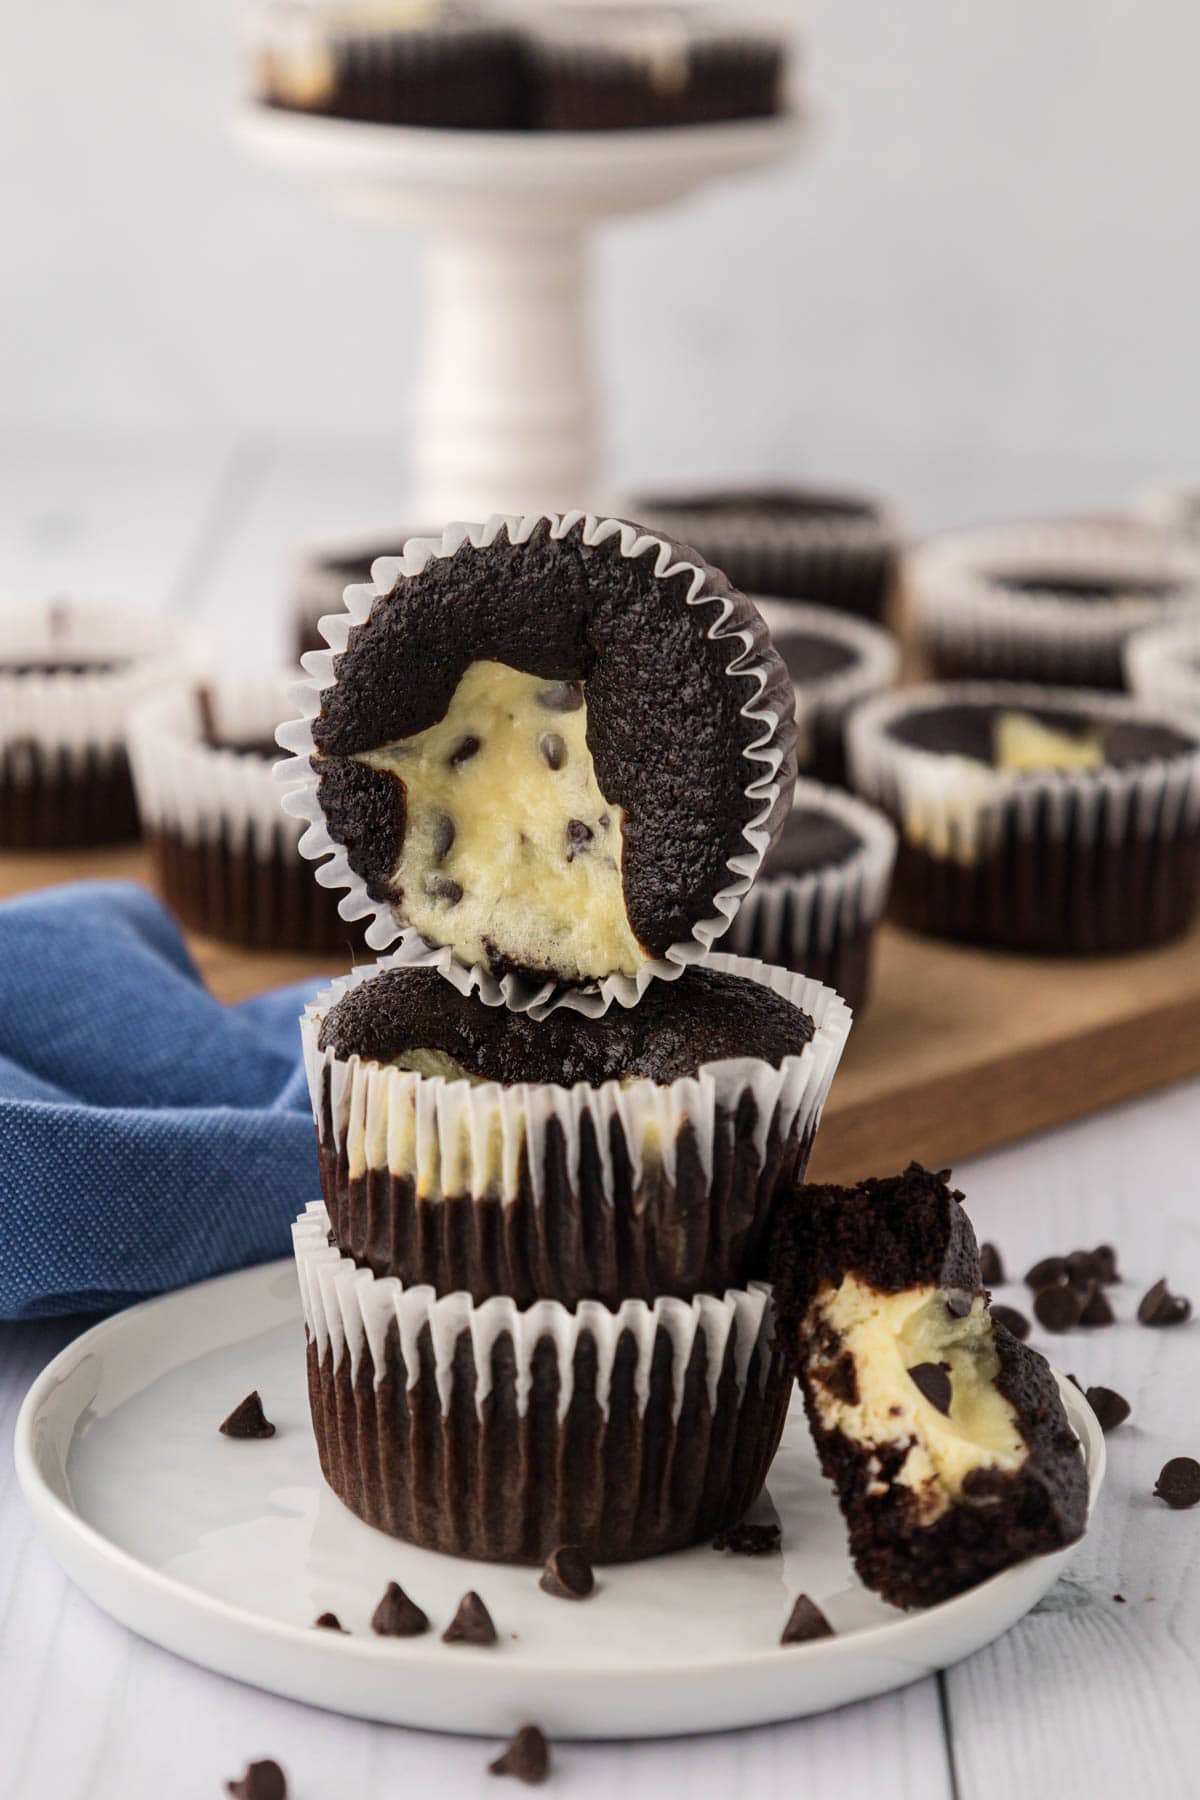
column 946, row 1438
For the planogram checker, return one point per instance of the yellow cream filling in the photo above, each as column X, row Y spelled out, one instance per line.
column 1024, row 746
column 509, row 842
column 887, row 1335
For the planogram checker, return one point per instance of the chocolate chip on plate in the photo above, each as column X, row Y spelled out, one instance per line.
column 563, row 696
column 806, row 1621
column 328, row 1621
column 1096, row 1309
column 262, row 1781
column 567, row 1574
column 464, row 750
column 991, row 1266
column 397, row 1615
column 1106, row 1259
column 443, row 837
column 471, row 1624
column 1160, row 1307
column 748, row 1540
column 1111, row 1409
column 933, row 1379
column 1012, row 1320
column 1083, row 1267
column 1179, row 1482
column 1057, row 1308
column 1045, row 1273
column 248, row 1420
column 527, row 1757
column 553, row 749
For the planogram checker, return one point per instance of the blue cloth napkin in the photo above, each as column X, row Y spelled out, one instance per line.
column 149, row 1136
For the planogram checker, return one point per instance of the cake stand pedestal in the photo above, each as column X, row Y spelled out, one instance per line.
column 506, row 415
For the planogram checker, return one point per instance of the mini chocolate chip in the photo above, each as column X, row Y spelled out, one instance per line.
column 397, row 1615
column 604, row 821
column 958, row 1302
column 328, row 1621
column 262, row 1781
column 564, row 696
column 443, row 837
column 1106, row 1258
column 748, row 1540
column 471, row 1624
column 991, row 1266
column 933, row 1379
column 1160, row 1307
column 1057, row 1308
column 441, row 887
column 1082, row 1269
column 579, row 836
column 1012, row 1320
column 806, row 1621
column 567, row 1574
column 1111, row 1409
column 1045, row 1273
column 1096, row 1310
column 1120, row 1599
column 1179, row 1482
column 553, row 749
column 464, row 750
column 527, row 1757
column 248, row 1420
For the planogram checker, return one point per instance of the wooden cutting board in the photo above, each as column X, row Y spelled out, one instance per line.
column 958, row 1050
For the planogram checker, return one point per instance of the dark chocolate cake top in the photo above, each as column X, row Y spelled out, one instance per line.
column 811, row 839
column 708, row 1015
column 969, row 728
column 810, row 656
column 753, row 505
column 1100, row 585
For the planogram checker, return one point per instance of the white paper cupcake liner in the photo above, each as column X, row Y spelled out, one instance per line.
column 766, row 759
column 824, row 703
column 971, row 627
column 1162, row 665
column 317, row 589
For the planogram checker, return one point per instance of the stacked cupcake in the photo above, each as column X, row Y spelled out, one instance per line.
column 550, row 755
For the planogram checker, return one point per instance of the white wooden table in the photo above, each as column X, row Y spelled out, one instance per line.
column 1087, row 1697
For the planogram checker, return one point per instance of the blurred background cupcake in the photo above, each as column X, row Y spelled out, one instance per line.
column 834, row 662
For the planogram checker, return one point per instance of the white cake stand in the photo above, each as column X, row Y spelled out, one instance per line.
column 506, row 399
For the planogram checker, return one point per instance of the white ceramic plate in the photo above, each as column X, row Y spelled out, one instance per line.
column 225, row 1552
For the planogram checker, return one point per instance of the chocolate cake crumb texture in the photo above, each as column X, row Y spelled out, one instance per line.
column 567, row 1574
column 397, row 1615
column 527, row 1757
column 1111, row 1409
column 471, row 1624
column 1179, row 1482
column 1161, row 1307
column 1012, row 1320
column 262, row 1781
column 328, row 1621
column 248, row 1420
column 1096, row 1309
column 991, row 1266
column 1057, row 1308
column 748, row 1540
column 806, row 1622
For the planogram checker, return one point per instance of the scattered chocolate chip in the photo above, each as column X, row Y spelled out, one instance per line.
column 553, row 749
column 1057, row 1308
column 397, row 1615
column 564, row 696
column 464, row 750
column 262, row 1781
column 527, row 1757
column 1160, row 1307
column 1047, row 1272
column 1120, row 1599
column 1179, row 1482
column 1096, row 1310
column 604, row 821
column 567, row 1574
column 443, row 837
column 248, row 1420
column 933, row 1379
column 959, row 1302
column 1111, row 1409
column 806, row 1621
column 441, row 887
column 1082, row 1269
column 471, row 1624
column 748, row 1540
column 1012, row 1320
column 330, row 1622
column 991, row 1267
column 1106, row 1261
column 579, row 836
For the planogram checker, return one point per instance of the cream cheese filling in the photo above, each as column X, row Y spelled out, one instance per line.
column 509, row 846
column 886, row 1335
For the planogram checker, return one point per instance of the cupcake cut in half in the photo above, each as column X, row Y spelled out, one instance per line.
column 551, row 751
column 834, row 662
column 1033, row 818
column 945, row 1438
column 629, row 1156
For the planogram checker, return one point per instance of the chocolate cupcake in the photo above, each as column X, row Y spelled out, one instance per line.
column 821, row 893
column 549, row 752
column 945, row 1438
column 621, row 67
column 834, row 662
column 1035, row 819
column 1050, row 602
column 69, row 673
column 439, row 63
column 1162, row 665
column 630, row 1156
column 830, row 547
column 224, row 851
column 491, row 1432
column 323, row 572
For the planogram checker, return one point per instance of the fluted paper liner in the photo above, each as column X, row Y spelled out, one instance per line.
column 824, row 703
column 492, row 1432
column 1162, row 665
column 766, row 757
